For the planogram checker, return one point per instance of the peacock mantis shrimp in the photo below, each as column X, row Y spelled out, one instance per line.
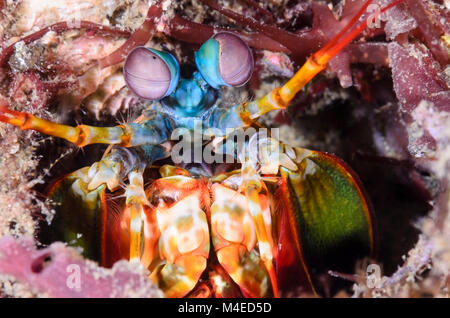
column 261, row 229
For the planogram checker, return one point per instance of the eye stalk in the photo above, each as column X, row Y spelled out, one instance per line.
column 151, row 74
column 225, row 60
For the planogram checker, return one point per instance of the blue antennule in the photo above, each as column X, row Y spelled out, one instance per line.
column 151, row 74
column 225, row 60
column 188, row 94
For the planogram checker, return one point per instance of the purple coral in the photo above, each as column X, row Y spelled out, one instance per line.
column 59, row 271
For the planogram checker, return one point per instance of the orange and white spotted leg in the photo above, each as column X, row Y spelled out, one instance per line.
column 251, row 186
column 183, row 245
column 135, row 202
column 235, row 236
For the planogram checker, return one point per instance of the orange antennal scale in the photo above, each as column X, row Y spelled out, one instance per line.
column 81, row 135
column 317, row 62
column 334, row 47
column 346, row 28
column 280, row 97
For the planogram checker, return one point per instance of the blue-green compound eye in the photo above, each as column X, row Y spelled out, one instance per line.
column 151, row 74
column 225, row 59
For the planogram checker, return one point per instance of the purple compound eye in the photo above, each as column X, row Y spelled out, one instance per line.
column 151, row 74
column 225, row 59
column 235, row 59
